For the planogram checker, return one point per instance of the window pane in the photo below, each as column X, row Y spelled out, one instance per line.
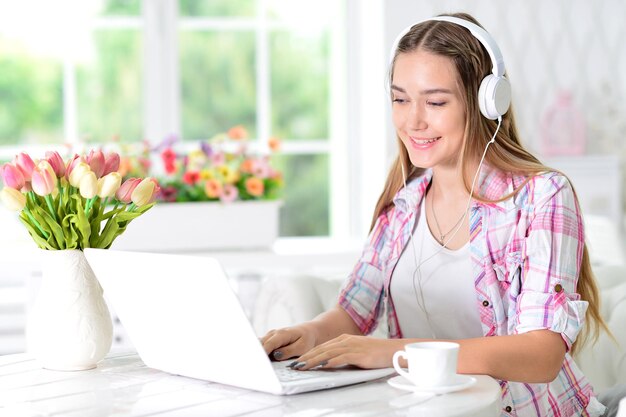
column 31, row 103
column 317, row 11
column 109, row 88
column 306, row 208
column 300, row 84
column 217, row 7
column 120, row 7
column 218, row 82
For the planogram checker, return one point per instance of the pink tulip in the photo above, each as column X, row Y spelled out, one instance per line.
column 111, row 163
column 96, row 161
column 56, row 162
column 12, row 176
column 124, row 193
column 71, row 164
column 24, row 162
column 43, row 182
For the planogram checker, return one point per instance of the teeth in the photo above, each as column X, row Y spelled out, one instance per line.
column 425, row 142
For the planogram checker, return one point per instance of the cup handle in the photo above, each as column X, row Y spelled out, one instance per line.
column 396, row 365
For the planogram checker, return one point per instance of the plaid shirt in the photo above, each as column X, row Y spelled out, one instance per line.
column 526, row 253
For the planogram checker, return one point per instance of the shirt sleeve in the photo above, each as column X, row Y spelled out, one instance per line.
column 361, row 294
column 552, row 259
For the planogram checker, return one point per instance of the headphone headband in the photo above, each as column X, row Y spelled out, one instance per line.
column 494, row 95
column 483, row 37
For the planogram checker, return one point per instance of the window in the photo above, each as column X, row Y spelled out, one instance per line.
column 128, row 70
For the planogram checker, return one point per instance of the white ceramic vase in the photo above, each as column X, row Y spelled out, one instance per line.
column 69, row 327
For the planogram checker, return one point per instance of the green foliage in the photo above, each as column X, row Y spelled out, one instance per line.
column 216, row 7
column 109, row 88
column 30, row 95
column 300, row 85
column 218, row 82
column 305, row 212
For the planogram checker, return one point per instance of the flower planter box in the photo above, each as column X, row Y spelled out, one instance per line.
column 197, row 226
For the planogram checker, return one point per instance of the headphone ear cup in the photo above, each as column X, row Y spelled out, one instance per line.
column 494, row 96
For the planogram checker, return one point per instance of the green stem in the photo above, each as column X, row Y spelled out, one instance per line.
column 35, row 222
column 89, row 204
column 48, row 199
column 132, row 207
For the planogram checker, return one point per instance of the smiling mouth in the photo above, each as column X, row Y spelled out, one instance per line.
column 424, row 141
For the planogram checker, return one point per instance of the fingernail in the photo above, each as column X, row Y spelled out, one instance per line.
column 292, row 364
column 277, row 354
column 299, row 365
column 323, row 363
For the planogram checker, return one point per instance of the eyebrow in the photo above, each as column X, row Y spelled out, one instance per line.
column 424, row 92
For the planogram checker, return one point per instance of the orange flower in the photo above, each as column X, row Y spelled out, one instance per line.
column 274, row 144
column 213, row 188
column 255, row 187
column 237, row 132
column 247, row 166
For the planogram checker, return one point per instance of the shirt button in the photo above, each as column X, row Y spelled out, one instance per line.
column 508, row 409
column 558, row 288
column 486, row 303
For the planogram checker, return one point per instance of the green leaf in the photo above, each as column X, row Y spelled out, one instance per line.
column 36, row 213
column 32, row 230
column 56, row 229
column 71, row 236
column 110, row 232
column 84, row 229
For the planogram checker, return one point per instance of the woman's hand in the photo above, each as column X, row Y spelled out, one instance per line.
column 362, row 351
column 289, row 342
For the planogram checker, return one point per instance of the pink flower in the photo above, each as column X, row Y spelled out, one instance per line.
column 229, row 193
column 12, row 176
column 56, row 162
column 24, row 162
column 43, row 181
column 111, row 163
column 218, row 158
column 96, row 161
column 125, row 191
column 237, row 132
column 71, row 164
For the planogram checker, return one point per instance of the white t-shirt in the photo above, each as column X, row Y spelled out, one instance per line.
column 449, row 295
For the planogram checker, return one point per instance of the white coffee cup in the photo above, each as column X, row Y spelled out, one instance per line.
column 431, row 364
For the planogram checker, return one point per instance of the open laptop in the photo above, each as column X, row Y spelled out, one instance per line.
column 183, row 318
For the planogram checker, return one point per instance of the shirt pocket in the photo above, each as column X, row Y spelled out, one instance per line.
column 508, row 270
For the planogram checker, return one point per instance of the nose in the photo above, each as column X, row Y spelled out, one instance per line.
column 416, row 119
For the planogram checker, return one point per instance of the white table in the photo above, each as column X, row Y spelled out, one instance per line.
column 122, row 385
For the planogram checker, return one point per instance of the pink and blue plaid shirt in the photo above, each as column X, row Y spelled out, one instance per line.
column 526, row 253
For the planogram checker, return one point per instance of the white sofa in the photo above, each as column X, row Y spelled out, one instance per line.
column 286, row 301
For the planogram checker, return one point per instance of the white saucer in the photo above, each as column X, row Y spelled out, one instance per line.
column 461, row 382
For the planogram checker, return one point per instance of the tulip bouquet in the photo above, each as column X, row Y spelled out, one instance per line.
column 76, row 204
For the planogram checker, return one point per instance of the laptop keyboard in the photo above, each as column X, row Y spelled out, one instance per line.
column 288, row 374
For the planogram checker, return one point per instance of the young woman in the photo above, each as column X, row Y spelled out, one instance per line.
column 488, row 253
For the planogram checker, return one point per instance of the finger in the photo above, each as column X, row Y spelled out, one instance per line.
column 325, row 359
column 294, row 350
column 276, row 340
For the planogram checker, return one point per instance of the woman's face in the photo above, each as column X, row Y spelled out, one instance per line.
column 428, row 113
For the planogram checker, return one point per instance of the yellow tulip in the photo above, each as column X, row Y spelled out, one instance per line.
column 109, row 184
column 144, row 192
column 88, row 185
column 12, row 198
column 77, row 174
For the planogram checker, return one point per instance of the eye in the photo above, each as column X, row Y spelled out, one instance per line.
column 398, row 100
column 436, row 103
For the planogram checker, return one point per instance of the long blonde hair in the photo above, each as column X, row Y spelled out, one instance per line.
column 507, row 154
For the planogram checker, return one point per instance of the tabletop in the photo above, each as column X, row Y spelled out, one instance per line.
column 122, row 385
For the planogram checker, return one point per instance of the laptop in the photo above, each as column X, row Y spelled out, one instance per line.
column 183, row 318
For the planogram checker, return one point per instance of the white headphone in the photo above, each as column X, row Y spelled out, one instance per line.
column 494, row 94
